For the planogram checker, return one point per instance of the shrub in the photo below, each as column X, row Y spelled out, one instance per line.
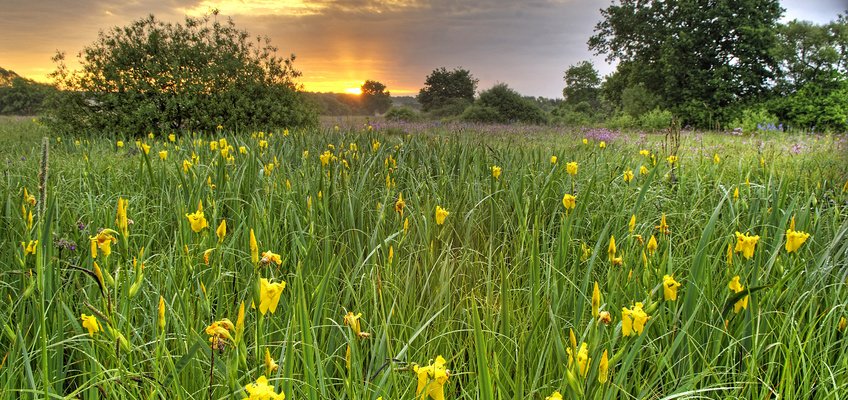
column 450, row 108
column 621, row 121
column 153, row 76
column 816, row 107
column 511, row 106
column 637, row 100
column 655, row 120
column 482, row 114
column 404, row 114
column 756, row 120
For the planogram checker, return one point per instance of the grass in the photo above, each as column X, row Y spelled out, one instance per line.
column 497, row 290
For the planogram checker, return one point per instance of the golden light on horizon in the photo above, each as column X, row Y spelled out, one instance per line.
column 257, row 7
column 354, row 90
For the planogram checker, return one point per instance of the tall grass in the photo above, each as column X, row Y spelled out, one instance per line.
column 496, row 290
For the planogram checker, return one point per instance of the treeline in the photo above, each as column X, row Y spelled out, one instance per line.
column 716, row 64
column 719, row 64
column 337, row 104
column 20, row 96
column 723, row 65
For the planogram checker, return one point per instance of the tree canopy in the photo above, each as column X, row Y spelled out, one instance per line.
column 375, row 97
column 152, row 76
column 443, row 87
column 582, row 84
column 698, row 57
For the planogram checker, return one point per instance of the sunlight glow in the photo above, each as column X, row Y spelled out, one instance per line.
column 353, row 90
column 257, row 7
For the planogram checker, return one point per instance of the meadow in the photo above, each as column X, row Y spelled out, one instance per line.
column 423, row 261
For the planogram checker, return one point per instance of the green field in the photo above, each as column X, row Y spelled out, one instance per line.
column 502, row 290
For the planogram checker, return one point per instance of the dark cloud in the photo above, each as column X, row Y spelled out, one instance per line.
column 526, row 44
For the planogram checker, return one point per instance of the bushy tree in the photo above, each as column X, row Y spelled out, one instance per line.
column 812, row 91
column 700, row 58
column 23, row 97
column 375, row 97
column 402, row 114
column 808, row 52
column 636, row 100
column 443, row 87
column 504, row 105
column 152, row 76
column 582, row 84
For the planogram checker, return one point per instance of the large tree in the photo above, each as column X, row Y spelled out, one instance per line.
column 812, row 87
column 582, row 84
column 163, row 77
column 375, row 97
column 811, row 53
column 699, row 57
column 443, row 87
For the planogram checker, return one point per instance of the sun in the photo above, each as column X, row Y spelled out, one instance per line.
column 355, row 90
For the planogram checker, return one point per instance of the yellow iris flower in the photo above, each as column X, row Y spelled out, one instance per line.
column 432, row 379
column 103, row 241
column 196, row 219
column 794, row 240
column 90, row 322
column 633, row 320
column 269, row 295
column 670, row 287
column 441, row 214
column 746, row 244
column 569, row 201
column 261, row 390
column 735, row 286
column 496, row 171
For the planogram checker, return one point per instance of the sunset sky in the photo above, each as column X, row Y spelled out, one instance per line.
column 339, row 44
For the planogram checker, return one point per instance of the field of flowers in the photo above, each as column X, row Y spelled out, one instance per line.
column 429, row 261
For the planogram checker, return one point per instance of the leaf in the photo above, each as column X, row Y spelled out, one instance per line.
column 735, row 297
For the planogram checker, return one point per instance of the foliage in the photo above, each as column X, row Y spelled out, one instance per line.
column 815, row 107
column 163, row 77
column 811, row 92
column 582, row 84
column 449, row 108
column 656, row 120
column 622, row 121
column 811, row 53
column 568, row 116
column 482, row 114
column 692, row 57
column 755, row 120
column 335, row 104
column 508, row 105
column 404, row 114
column 375, row 97
column 23, row 97
column 442, row 88
column 636, row 100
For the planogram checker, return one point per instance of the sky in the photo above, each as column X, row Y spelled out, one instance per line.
column 527, row 44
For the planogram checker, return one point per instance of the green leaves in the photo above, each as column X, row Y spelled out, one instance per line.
column 153, row 76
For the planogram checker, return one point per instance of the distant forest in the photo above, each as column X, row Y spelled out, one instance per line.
column 335, row 104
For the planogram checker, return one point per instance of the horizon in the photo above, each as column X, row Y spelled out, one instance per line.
column 338, row 45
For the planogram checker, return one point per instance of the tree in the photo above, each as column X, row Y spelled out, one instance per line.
column 582, row 84
column 812, row 53
column 700, row 58
column 812, row 90
column 443, row 87
column 375, row 98
column 152, row 76
column 504, row 105
column 23, row 97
